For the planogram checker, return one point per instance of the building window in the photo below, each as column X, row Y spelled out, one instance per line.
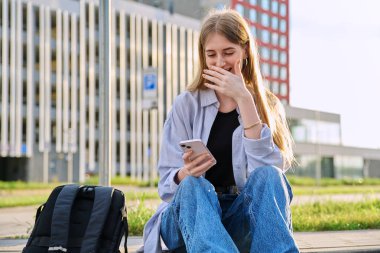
column 265, row 19
column 240, row 9
column 253, row 31
column 266, row 83
column 275, row 87
column 348, row 166
column 284, row 73
column 283, row 10
column 283, row 57
column 265, row 69
column 275, row 23
column 275, row 71
column 283, row 41
column 265, row 4
column 264, row 53
column 265, row 36
column 275, row 55
column 274, row 6
column 315, row 131
column 253, row 15
column 275, row 39
column 219, row 6
column 253, row 2
column 283, row 25
column 283, row 89
column 306, row 165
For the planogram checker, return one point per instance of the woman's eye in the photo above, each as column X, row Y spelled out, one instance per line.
column 210, row 55
column 230, row 53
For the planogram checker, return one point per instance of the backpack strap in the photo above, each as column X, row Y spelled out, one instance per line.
column 99, row 214
column 61, row 218
column 125, row 226
column 38, row 213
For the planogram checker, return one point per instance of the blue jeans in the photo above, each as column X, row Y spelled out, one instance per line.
column 256, row 220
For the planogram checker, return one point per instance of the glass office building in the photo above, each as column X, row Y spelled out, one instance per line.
column 319, row 150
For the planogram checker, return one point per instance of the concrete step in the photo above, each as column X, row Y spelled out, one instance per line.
column 333, row 241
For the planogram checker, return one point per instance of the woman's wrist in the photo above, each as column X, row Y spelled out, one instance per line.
column 244, row 98
column 179, row 176
column 252, row 123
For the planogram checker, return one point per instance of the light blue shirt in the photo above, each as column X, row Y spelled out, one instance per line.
column 191, row 117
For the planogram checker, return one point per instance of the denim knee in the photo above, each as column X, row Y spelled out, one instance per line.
column 266, row 172
column 269, row 175
column 190, row 183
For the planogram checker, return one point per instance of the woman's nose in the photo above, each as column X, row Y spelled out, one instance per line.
column 220, row 62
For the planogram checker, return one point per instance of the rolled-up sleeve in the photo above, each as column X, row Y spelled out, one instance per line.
column 263, row 151
column 177, row 128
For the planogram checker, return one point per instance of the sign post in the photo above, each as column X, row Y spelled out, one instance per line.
column 105, row 94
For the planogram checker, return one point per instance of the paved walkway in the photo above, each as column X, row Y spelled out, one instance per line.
column 337, row 242
column 303, row 199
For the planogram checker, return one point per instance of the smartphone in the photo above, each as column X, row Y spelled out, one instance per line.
column 197, row 146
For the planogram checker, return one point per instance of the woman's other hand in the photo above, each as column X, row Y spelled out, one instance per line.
column 194, row 166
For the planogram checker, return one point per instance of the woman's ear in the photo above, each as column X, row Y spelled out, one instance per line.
column 246, row 48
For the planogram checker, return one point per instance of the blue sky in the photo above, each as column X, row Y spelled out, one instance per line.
column 335, row 63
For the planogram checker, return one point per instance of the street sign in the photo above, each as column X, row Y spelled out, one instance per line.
column 150, row 93
column 24, row 149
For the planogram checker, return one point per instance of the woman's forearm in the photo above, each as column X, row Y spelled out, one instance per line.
column 251, row 119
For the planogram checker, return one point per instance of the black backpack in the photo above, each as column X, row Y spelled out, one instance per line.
column 80, row 219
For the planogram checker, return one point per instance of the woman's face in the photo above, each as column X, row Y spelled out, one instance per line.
column 220, row 52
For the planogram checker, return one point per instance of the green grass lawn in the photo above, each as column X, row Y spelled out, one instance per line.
column 11, row 201
column 22, row 194
column 20, row 185
column 137, row 217
column 123, row 181
column 14, row 201
column 295, row 181
column 10, row 198
column 319, row 216
column 336, row 216
column 326, row 216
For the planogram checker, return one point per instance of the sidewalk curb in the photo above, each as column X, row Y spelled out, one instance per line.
column 134, row 243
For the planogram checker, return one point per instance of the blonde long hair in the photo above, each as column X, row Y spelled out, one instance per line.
column 232, row 26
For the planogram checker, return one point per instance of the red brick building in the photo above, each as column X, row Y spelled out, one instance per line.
column 269, row 23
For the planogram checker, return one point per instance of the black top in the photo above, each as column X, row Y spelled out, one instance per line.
column 220, row 145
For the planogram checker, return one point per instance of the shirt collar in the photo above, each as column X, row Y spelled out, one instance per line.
column 208, row 97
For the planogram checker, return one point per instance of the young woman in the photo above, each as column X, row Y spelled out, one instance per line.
column 240, row 204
